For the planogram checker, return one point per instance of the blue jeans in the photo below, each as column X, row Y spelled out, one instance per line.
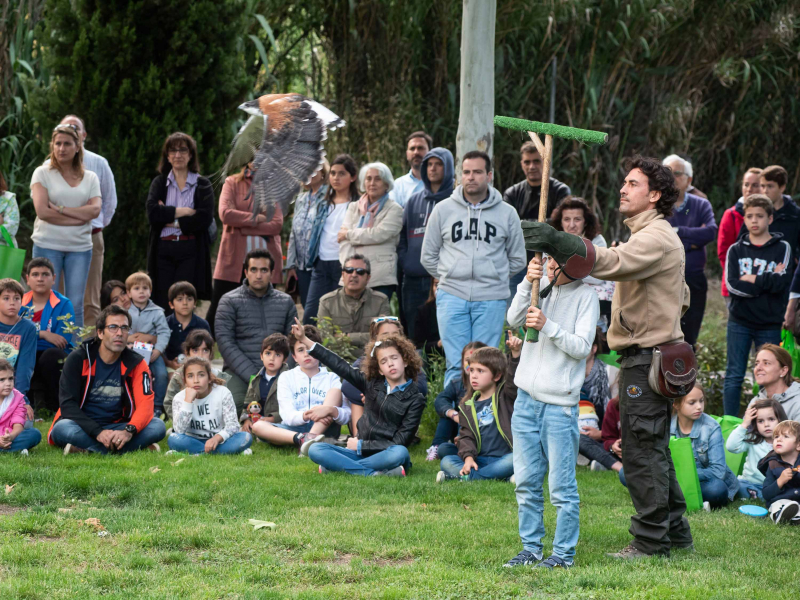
column 76, row 273
column 334, row 458
column 236, row 444
column 447, row 449
column 66, row 431
column 158, row 369
column 740, row 340
column 415, row 293
column 546, row 437
column 446, row 430
column 27, row 439
column 746, row 486
column 462, row 322
column 304, row 428
column 489, row 467
column 324, row 278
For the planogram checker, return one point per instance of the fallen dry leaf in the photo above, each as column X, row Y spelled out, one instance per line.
column 177, row 462
column 466, row 507
column 154, row 469
column 10, row 488
column 94, row 522
column 261, row 524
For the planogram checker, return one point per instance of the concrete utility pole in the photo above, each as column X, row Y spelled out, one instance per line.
column 476, row 111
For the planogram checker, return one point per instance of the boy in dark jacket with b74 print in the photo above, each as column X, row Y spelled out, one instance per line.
column 485, row 441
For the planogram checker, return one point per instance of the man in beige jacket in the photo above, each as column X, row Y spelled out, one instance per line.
column 647, row 306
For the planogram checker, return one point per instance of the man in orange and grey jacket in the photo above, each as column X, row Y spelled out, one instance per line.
column 106, row 394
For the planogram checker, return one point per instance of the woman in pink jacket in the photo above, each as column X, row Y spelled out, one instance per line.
column 13, row 435
column 240, row 234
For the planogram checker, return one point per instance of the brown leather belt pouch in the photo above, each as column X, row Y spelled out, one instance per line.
column 673, row 370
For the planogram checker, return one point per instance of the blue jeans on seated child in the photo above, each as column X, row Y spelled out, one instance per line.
column 446, row 430
column 489, row 467
column 27, row 439
column 745, row 487
column 236, row 444
column 740, row 340
column 66, row 431
column 334, row 458
column 447, row 449
column 158, row 369
column 546, row 437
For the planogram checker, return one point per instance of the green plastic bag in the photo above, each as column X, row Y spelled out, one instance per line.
column 686, row 472
column 12, row 259
column 788, row 343
column 735, row 462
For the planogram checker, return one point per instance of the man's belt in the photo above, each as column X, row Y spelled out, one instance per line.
column 635, row 351
column 177, row 238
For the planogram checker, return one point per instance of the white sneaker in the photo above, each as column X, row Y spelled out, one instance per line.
column 154, row 447
column 23, row 452
column 596, row 466
column 707, row 506
column 784, row 511
column 248, row 452
column 582, row 461
column 308, row 443
column 512, row 480
column 441, row 476
column 168, row 452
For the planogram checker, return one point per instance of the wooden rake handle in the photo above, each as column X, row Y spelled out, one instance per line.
column 546, row 150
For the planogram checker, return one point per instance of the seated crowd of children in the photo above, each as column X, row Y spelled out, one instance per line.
column 382, row 396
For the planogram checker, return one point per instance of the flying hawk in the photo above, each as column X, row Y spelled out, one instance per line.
column 283, row 139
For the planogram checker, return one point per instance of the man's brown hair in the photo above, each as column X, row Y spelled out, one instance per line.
column 759, row 201
column 371, row 366
column 528, row 148
column 775, row 173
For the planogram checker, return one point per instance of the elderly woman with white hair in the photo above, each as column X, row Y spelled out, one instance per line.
column 372, row 227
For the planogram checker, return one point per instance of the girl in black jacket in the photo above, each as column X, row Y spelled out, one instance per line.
column 393, row 407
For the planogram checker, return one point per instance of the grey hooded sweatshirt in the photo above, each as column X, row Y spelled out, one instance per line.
column 473, row 250
column 790, row 400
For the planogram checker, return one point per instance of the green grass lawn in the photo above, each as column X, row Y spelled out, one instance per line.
column 183, row 532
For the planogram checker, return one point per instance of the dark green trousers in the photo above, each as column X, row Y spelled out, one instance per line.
column 658, row 524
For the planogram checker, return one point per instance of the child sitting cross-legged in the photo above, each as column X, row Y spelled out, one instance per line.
column 781, row 469
column 204, row 418
column 754, row 436
column 446, row 406
column 393, row 407
column 13, row 413
column 309, row 399
column 198, row 343
column 485, row 441
column 261, row 401
column 150, row 327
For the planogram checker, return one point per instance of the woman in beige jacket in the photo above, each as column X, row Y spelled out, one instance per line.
column 372, row 227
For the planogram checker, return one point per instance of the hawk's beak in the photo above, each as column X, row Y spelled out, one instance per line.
column 251, row 107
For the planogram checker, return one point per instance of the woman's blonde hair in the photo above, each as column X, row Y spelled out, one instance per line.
column 77, row 161
column 196, row 360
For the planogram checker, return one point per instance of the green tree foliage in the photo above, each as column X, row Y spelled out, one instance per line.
column 137, row 71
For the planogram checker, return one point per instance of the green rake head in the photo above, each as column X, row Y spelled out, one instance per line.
column 569, row 133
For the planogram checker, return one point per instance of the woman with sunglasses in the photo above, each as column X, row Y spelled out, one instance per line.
column 240, row 235
column 180, row 209
column 66, row 198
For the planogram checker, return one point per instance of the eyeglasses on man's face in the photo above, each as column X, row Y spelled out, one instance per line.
column 356, row 270
column 114, row 329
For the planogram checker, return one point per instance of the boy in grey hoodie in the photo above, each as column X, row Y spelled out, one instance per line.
column 473, row 244
column 545, row 421
column 149, row 325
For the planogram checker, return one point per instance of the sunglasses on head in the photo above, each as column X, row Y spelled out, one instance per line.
column 356, row 270
column 382, row 319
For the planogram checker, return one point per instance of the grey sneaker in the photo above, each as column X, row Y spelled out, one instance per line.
column 396, row 472
column 308, row 441
column 522, row 559
column 582, row 461
column 629, row 552
column 553, row 562
column 596, row 466
column 512, row 480
column 441, row 476
column 23, row 452
column 248, row 452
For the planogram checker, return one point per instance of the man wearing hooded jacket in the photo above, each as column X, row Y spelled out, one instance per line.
column 473, row 244
column 436, row 172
